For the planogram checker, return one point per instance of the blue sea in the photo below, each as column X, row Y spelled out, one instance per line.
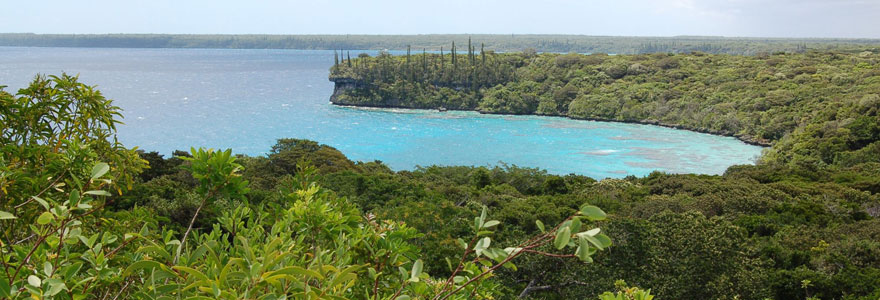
column 247, row 99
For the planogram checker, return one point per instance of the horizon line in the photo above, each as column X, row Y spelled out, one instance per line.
column 461, row 34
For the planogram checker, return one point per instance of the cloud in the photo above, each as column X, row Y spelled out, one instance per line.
column 777, row 18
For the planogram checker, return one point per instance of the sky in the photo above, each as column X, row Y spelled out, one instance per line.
column 740, row 18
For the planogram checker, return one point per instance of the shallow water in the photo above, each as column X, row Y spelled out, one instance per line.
column 246, row 99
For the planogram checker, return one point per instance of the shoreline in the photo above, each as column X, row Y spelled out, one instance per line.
column 747, row 140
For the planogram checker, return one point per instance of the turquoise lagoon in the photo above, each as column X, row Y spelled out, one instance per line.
column 246, row 99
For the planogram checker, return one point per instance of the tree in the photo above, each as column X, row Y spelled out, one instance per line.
column 287, row 153
column 58, row 164
column 59, row 242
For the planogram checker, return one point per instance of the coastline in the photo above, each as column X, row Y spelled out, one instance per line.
column 744, row 139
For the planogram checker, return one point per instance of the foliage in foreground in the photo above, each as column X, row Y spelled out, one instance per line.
column 101, row 228
column 755, row 232
column 59, row 241
column 806, row 213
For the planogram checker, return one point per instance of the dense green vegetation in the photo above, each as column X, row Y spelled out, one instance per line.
column 818, row 110
column 433, row 42
column 80, row 220
column 755, row 232
column 760, row 99
column 83, row 217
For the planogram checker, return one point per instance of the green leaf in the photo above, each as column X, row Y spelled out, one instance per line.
column 71, row 270
column 575, row 225
column 195, row 273
column 34, row 281
column 45, row 218
column 141, row 265
column 74, row 197
column 416, row 270
column 540, row 225
column 372, row 273
column 6, row 216
column 4, row 287
column 593, row 213
column 295, row 270
column 591, row 232
column 491, row 223
column 582, row 252
column 599, row 245
column 496, row 254
column 156, row 251
column 346, row 274
column 604, row 239
column 402, row 297
column 462, row 243
column 98, row 193
column 41, row 202
column 47, row 268
column 512, row 250
column 482, row 244
column 99, row 170
column 55, row 286
column 562, row 238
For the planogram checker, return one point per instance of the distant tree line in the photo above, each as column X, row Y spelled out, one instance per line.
column 500, row 43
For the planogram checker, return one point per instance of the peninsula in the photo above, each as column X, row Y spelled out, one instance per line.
column 759, row 99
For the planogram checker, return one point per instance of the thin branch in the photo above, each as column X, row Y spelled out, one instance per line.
column 122, row 290
column 193, row 221
column 111, row 253
column 42, row 191
column 549, row 254
column 397, row 293
column 43, row 238
column 458, row 268
column 527, row 246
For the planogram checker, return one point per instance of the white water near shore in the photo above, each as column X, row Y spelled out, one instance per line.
column 246, row 99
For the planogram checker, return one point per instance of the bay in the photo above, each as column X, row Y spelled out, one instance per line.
column 247, row 99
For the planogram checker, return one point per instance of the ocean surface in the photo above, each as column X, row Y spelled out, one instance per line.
column 247, row 99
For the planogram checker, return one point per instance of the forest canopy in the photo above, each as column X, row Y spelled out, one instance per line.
column 84, row 217
column 817, row 109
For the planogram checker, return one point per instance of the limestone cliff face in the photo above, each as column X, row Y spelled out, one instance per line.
column 344, row 85
column 340, row 86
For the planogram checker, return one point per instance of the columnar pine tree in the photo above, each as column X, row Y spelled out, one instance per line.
column 470, row 52
column 454, row 62
column 441, row 63
column 408, row 66
column 483, row 58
